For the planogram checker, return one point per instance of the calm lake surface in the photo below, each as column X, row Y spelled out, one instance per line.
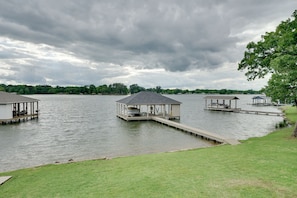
column 85, row 127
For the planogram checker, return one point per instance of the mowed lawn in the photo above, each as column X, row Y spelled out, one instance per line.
column 259, row 167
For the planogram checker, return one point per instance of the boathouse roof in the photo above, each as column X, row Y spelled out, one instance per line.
column 259, row 97
column 10, row 98
column 222, row 97
column 147, row 97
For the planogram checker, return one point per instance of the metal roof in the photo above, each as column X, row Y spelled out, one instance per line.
column 9, row 98
column 147, row 97
column 260, row 97
column 222, row 97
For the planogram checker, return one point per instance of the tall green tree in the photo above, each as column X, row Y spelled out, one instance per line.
column 275, row 53
column 158, row 89
column 93, row 89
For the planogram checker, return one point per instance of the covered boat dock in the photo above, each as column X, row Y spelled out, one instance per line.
column 155, row 107
column 145, row 104
column 261, row 101
column 17, row 108
column 221, row 103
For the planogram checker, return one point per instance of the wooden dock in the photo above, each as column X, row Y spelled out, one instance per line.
column 17, row 119
column 261, row 112
column 197, row 132
column 191, row 130
column 238, row 110
column 224, row 104
column 134, row 118
column 235, row 110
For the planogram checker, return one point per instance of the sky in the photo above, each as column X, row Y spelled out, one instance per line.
column 191, row 44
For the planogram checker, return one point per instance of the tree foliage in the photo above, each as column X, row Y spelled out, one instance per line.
column 275, row 53
column 113, row 89
column 135, row 88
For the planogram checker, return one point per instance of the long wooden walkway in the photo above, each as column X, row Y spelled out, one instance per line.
column 261, row 112
column 197, row 132
column 193, row 131
column 238, row 110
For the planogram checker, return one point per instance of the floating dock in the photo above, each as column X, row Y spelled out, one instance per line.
column 191, row 130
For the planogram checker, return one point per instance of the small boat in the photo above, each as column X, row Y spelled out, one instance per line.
column 133, row 111
column 218, row 105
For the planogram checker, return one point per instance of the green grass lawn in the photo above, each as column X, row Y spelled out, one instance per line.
column 259, row 167
column 291, row 113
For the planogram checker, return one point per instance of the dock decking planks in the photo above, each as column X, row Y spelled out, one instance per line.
column 194, row 131
column 246, row 111
column 261, row 112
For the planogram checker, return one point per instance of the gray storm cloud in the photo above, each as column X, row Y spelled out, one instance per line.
column 174, row 35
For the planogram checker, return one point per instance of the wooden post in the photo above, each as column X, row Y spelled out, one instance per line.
column 33, row 109
column 18, row 109
column 37, row 110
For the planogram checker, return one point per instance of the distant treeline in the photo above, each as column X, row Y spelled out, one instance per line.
column 112, row 89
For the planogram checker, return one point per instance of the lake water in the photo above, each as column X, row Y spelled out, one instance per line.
column 83, row 127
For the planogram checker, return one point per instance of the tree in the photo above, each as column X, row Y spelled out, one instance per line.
column 158, row 89
column 103, row 89
column 93, row 89
column 118, row 89
column 135, row 89
column 275, row 53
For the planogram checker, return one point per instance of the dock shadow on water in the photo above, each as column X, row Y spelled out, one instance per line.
column 86, row 127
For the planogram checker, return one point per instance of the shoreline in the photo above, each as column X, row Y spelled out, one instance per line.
column 73, row 159
column 252, row 168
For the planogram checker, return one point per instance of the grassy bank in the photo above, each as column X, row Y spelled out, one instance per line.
column 260, row 167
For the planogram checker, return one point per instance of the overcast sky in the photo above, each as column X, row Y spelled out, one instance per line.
column 169, row 43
